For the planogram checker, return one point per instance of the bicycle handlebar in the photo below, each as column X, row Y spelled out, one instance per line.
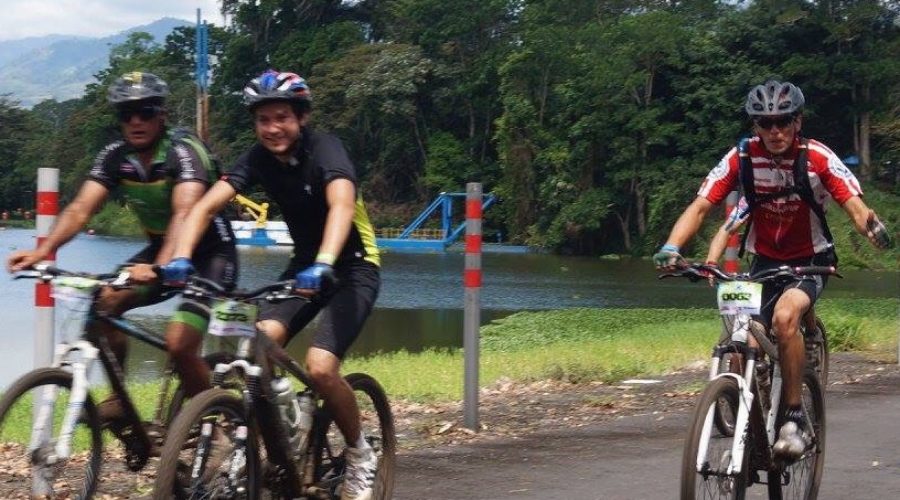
column 197, row 286
column 46, row 272
column 697, row 271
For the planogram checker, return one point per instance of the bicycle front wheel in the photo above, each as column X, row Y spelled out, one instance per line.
column 210, row 451
column 707, row 451
column 31, row 467
column 800, row 479
column 378, row 429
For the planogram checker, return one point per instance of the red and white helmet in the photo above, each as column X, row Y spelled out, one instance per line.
column 275, row 86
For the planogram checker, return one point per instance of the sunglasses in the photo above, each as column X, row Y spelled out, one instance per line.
column 781, row 122
column 145, row 113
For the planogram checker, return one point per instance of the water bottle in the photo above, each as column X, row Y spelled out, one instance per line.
column 305, row 407
column 284, row 395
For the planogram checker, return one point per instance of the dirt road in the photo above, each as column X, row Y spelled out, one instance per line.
column 639, row 456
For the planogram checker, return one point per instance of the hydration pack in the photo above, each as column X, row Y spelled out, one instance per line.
column 801, row 187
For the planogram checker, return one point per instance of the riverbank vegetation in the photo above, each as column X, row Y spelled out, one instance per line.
column 595, row 121
column 609, row 345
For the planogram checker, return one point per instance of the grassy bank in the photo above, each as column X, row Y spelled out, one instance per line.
column 595, row 344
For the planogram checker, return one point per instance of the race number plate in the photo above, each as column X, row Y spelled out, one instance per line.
column 230, row 318
column 739, row 297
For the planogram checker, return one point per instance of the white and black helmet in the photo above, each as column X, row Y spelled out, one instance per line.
column 774, row 98
column 277, row 86
column 137, row 86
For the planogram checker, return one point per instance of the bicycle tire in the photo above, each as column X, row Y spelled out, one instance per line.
column 726, row 410
column 16, row 407
column 803, row 477
column 230, row 415
column 178, row 397
column 712, row 484
column 817, row 354
column 328, row 456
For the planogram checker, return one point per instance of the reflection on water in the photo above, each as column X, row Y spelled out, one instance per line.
column 420, row 303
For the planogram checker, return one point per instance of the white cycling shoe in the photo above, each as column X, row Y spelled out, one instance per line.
column 359, row 476
column 792, row 441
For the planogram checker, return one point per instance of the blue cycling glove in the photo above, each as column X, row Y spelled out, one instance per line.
column 177, row 271
column 667, row 257
column 314, row 277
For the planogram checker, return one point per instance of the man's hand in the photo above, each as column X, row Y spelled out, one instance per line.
column 314, row 278
column 876, row 232
column 23, row 259
column 177, row 271
column 141, row 274
column 668, row 258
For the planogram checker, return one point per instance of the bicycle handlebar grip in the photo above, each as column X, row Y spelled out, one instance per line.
column 825, row 270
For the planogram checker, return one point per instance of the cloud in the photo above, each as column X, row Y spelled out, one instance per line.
column 94, row 18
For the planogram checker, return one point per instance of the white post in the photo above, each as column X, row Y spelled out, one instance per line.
column 47, row 207
column 472, row 307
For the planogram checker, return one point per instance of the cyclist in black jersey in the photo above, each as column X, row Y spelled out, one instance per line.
column 160, row 173
column 309, row 175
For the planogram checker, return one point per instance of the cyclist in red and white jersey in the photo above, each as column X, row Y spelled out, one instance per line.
column 785, row 228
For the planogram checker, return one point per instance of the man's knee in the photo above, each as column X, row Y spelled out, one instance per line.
column 274, row 330
column 324, row 369
column 115, row 302
column 182, row 341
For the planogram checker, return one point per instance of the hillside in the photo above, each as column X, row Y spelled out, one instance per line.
column 58, row 67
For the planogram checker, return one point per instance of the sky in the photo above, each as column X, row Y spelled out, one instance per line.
column 94, row 18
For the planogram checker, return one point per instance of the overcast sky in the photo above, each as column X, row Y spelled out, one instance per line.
column 95, row 18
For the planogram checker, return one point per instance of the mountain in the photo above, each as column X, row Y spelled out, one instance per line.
column 59, row 66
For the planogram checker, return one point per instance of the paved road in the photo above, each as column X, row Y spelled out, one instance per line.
column 639, row 457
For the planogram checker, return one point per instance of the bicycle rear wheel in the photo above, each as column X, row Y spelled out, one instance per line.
column 24, row 465
column 800, row 480
column 817, row 352
column 210, row 451
column 378, row 429
column 707, row 451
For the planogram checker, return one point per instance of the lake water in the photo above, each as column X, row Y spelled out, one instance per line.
column 421, row 300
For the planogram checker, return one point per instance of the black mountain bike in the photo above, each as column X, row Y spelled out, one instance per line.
column 51, row 411
column 237, row 444
column 721, row 463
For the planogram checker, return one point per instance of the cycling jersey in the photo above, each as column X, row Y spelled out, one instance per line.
column 784, row 228
column 299, row 190
column 179, row 157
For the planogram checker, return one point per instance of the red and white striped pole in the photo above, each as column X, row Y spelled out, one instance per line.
column 732, row 261
column 47, row 207
column 472, row 307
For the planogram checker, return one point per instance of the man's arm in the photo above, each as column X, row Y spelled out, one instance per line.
column 862, row 217
column 689, row 222
column 197, row 220
column 73, row 218
column 340, row 195
column 185, row 195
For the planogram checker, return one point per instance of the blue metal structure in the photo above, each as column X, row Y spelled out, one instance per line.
column 201, row 66
column 444, row 202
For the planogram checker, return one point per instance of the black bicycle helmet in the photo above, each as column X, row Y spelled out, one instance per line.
column 276, row 86
column 137, row 86
column 774, row 98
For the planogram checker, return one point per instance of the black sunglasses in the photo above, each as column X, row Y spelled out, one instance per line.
column 145, row 113
column 781, row 122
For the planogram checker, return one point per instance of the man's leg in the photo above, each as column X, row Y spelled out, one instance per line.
column 183, row 342
column 324, row 369
column 791, row 349
column 114, row 303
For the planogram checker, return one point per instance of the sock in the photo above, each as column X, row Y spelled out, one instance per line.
column 795, row 414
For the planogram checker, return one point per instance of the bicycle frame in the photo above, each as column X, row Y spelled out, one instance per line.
column 80, row 367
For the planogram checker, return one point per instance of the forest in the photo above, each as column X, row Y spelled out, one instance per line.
column 594, row 120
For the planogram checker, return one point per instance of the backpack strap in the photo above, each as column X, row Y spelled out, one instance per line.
column 745, row 172
column 803, row 188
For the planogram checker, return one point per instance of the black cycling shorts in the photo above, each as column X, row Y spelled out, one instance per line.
column 219, row 264
column 343, row 314
column 812, row 286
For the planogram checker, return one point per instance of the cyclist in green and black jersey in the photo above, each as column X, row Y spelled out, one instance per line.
column 160, row 173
